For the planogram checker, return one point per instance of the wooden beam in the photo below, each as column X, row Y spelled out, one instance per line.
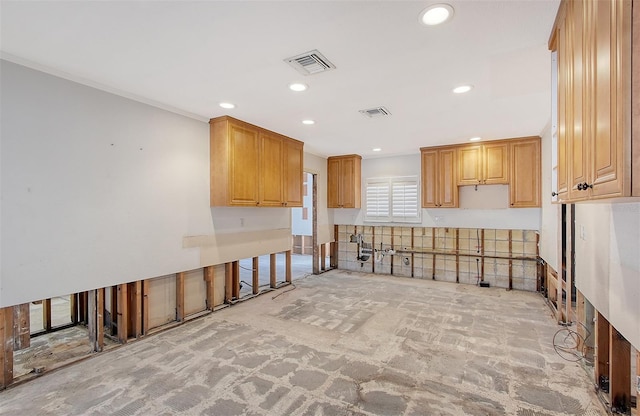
column 228, row 282
column 272, row 270
column 21, row 329
column 323, row 257
column 601, row 359
column 236, row 279
column 114, row 310
column 73, row 305
column 6, row 346
column 100, row 319
column 619, row 370
column 255, row 282
column 580, row 315
column 510, row 261
column 136, row 306
column 287, row 274
column 180, row 296
column 145, row 306
column 333, row 249
column 209, row 278
column 82, row 307
column 457, row 255
column 46, row 314
column 123, row 313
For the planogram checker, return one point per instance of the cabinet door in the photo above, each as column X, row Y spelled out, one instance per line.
column 495, row 163
column 447, row 183
column 429, row 178
column 333, row 183
column 577, row 148
column 524, row 190
column 347, row 183
column 243, row 165
column 271, row 170
column 611, row 29
column 470, row 165
column 563, row 113
column 293, row 173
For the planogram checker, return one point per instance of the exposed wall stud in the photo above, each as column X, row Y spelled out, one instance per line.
column 136, row 308
column 228, row 282
column 145, row 306
column 6, row 346
column 209, row 278
column 601, row 368
column 272, row 270
column 21, row 327
column 255, row 274
column 123, row 313
column 46, row 314
column 180, row 296
column 287, row 255
column 619, row 370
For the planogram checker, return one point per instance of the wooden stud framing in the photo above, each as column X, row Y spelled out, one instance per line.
column 601, row 359
column 180, row 296
column 433, row 257
column 73, row 306
column 209, row 278
column 82, row 307
column 333, row 248
column 114, row 310
column 6, row 346
column 123, row 313
column 145, row 306
column 287, row 274
column 510, row 261
column 228, row 282
column 21, row 335
column 255, row 274
column 323, row 257
column 95, row 319
column 619, row 370
column 392, row 245
column 272, row 270
column 46, row 314
column 136, row 304
column 457, row 254
column 580, row 315
column 235, row 279
column 315, row 258
column 482, row 255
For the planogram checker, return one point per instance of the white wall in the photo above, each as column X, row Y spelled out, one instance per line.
column 99, row 190
column 488, row 207
column 608, row 263
column 550, row 212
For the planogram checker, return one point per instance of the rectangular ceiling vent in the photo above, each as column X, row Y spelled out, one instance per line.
column 376, row 112
column 310, row 63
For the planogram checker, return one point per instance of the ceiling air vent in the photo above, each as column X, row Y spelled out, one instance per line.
column 310, row 63
column 376, row 112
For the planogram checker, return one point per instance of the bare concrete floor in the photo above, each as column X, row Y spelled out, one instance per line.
column 341, row 343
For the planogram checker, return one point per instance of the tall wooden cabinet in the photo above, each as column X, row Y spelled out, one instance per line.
column 439, row 177
column 593, row 40
column 486, row 163
column 252, row 166
column 344, row 181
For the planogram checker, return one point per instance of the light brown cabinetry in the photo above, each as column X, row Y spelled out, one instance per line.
column 252, row 166
column 524, row 186
column 593, row 40
column 344, row 181
column 486, row 163
column 439, row 177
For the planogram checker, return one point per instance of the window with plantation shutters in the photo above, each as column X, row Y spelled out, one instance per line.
column 392, row 199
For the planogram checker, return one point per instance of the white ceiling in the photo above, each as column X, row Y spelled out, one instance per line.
column 189, row 56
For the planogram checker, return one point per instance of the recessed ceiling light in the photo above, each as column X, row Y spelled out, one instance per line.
column 298, row 87
column 376, row 149
column 227, row 105
column 436, row 14
column 475, row 139
column 462, row 89
column 308, row 122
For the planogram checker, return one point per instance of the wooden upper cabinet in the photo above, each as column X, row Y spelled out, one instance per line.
column 524, row 188
column 483, row 164
column 593, row 40
column 293, row 173
column 252, row 166
column 344, row 181
column 439, row 177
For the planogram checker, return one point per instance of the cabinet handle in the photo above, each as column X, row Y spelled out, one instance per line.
column 554, row 194
column 584, row 186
